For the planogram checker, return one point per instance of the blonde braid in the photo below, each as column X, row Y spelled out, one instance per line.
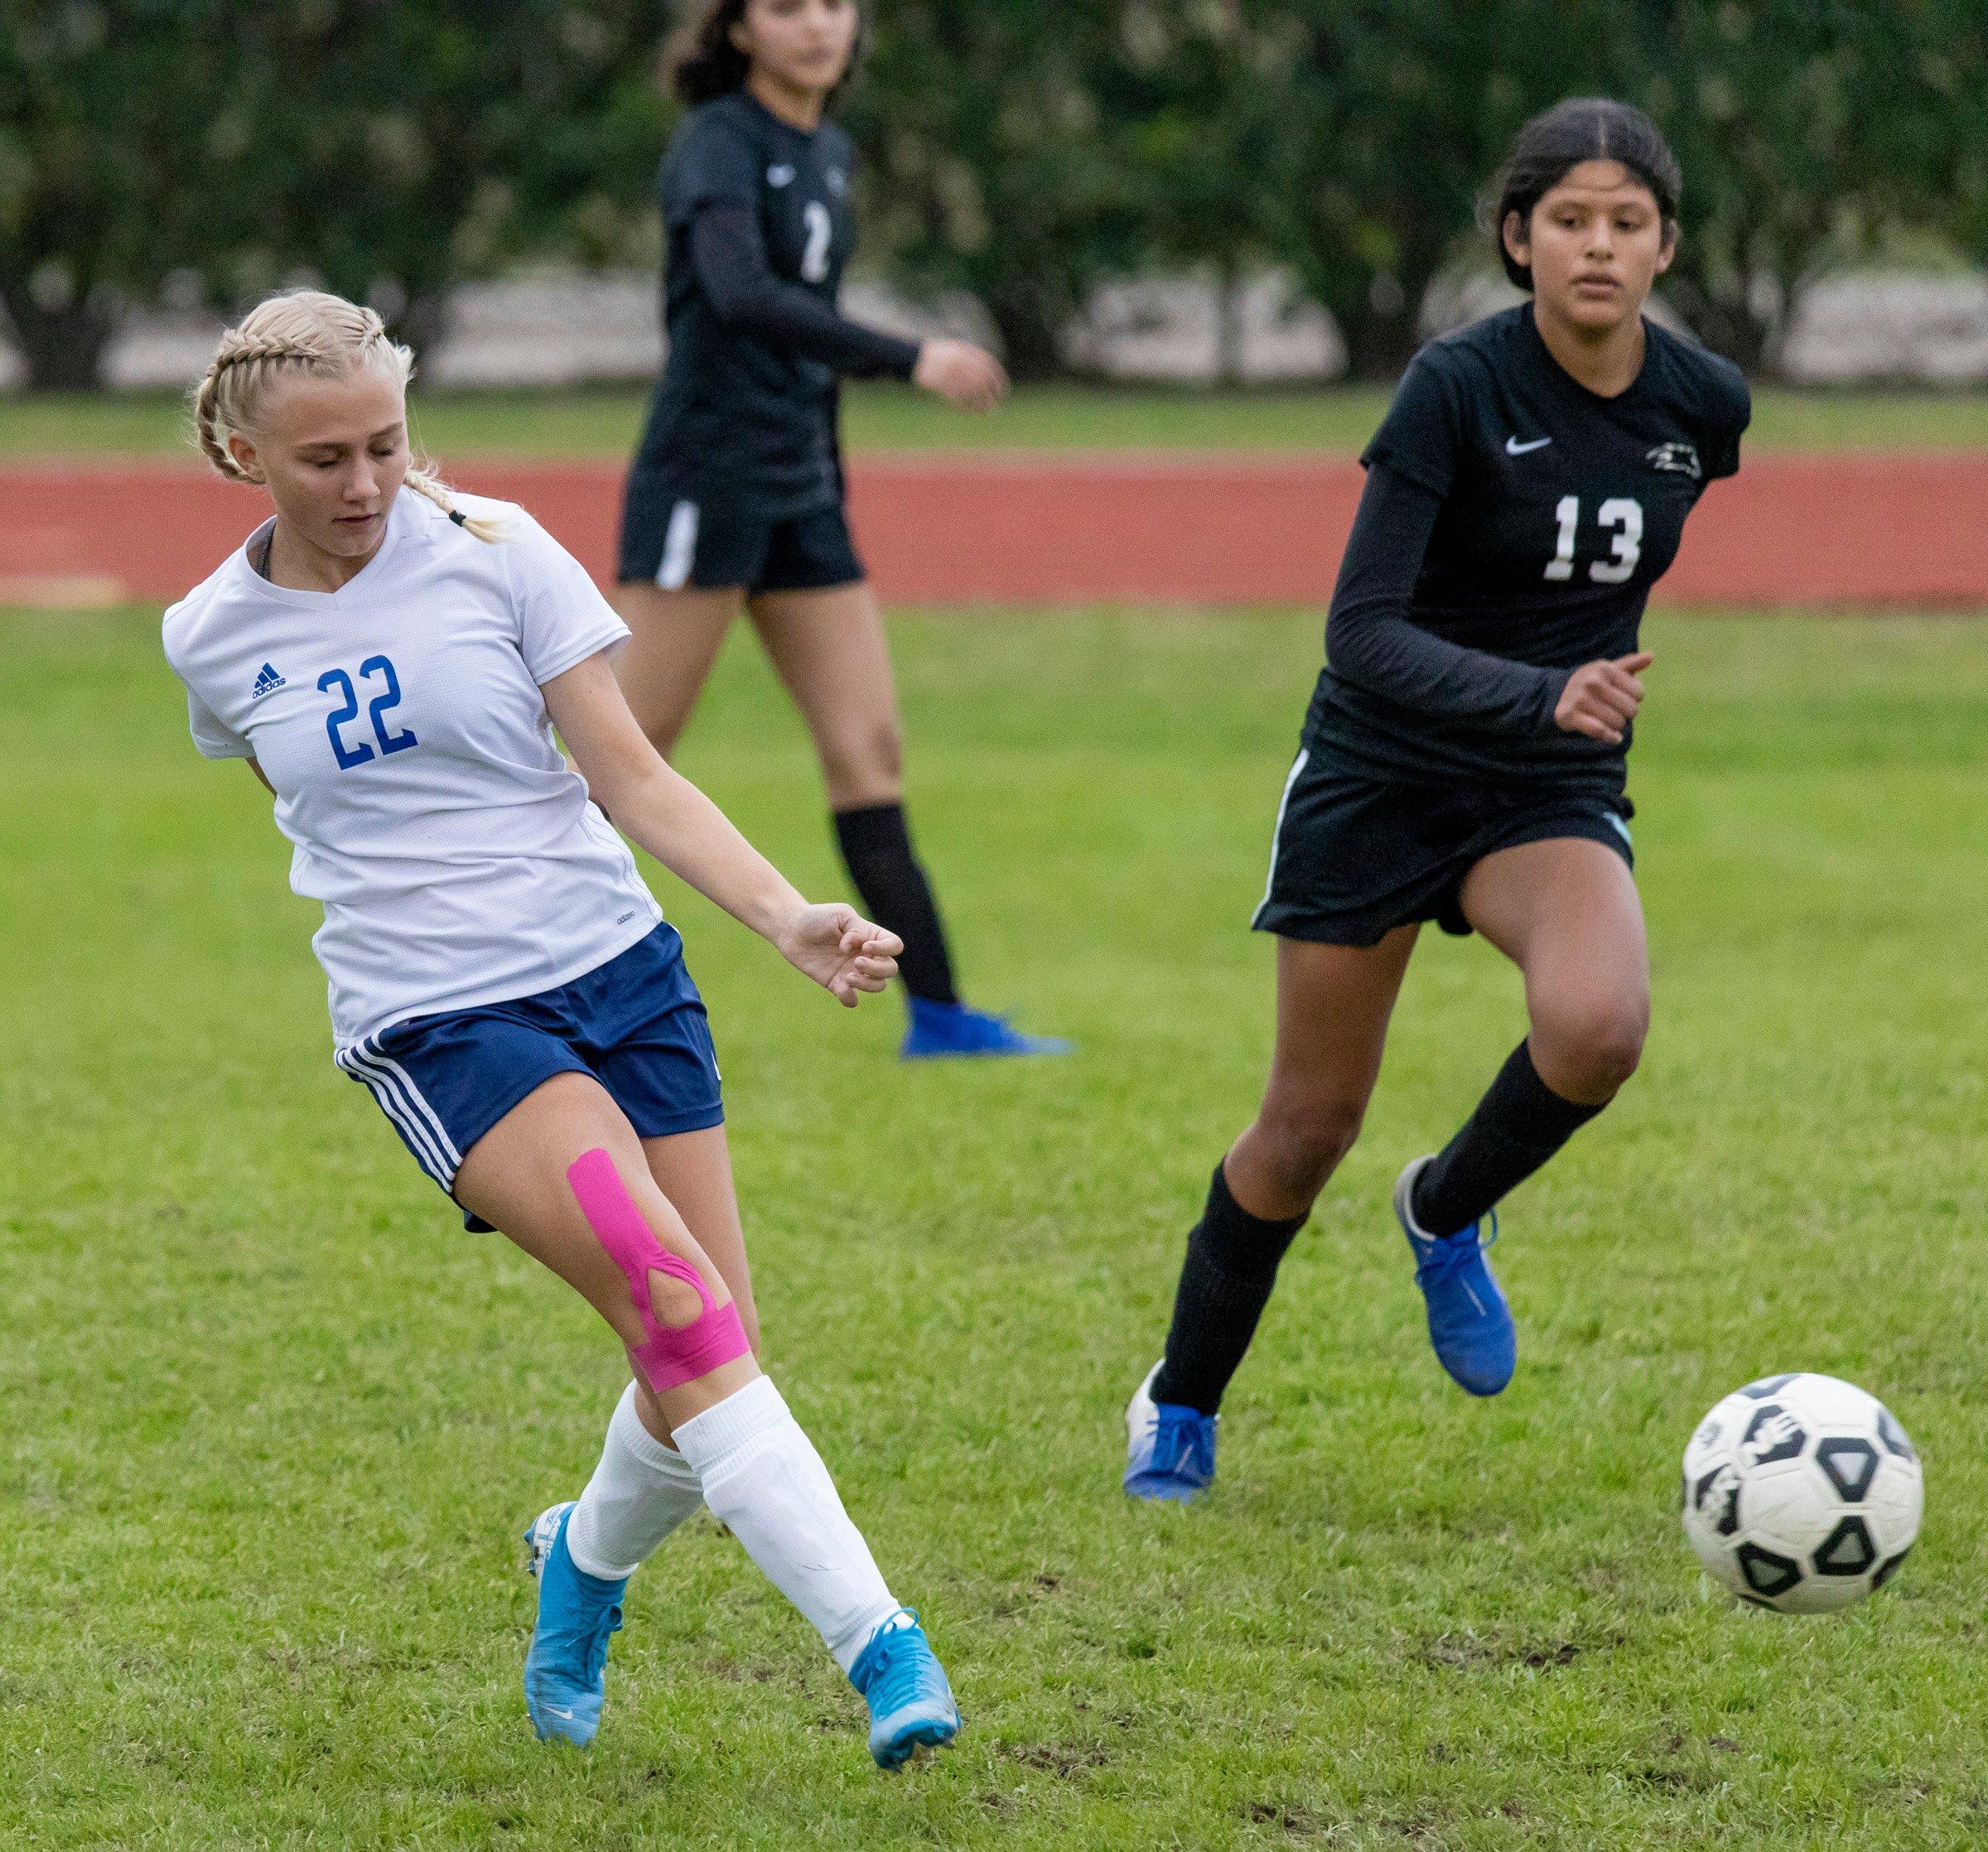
column 239, row 348
column 328, row 338
column 423, row 479
column 206, row 425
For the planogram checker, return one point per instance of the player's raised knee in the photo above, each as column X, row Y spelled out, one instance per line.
column 1588, row 1051
column 686, row 1333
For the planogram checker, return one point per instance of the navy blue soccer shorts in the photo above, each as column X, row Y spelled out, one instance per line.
column 635, row 1024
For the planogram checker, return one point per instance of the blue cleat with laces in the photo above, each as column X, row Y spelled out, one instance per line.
column 1469, row 1323
column 1170, row 1453
column 951, row 1031
column 565, row 1668
column 911, row 1705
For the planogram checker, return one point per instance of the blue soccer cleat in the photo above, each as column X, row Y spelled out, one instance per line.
column 1169, row 1453
column 565, row 1668
column 911, row 1705
column 1469, row 1323
column 951, row 1031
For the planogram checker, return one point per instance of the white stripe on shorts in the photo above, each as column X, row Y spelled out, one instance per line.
column 680, row 548
column 387, row 1091
column 387, row 1098
column 1277, row 833
column 373, row 1053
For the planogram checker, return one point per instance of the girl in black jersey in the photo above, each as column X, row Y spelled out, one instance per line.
column 737, row 491
column 1463, row 758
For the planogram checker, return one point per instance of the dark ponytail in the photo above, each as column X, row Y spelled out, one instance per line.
column 701, row 63
column 1558, row 140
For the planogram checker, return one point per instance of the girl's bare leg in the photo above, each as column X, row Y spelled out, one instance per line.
column 676, row 638
column 829, row 650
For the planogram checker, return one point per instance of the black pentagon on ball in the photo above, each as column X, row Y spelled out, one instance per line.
column 1760, row 1391
column 1722, row 1482
column 1775, row 1434
column 1766, row 1573
column 1894, row 1436
column 1847, row 1549
column 1888, row 1568
column 1850, row 1465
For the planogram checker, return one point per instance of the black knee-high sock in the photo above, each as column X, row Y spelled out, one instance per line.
column 1225, row 1283
column 876, row 849
column 1519, row 1124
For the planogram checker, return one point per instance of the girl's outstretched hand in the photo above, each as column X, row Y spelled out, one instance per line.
column 957, row 370
column 841, row 951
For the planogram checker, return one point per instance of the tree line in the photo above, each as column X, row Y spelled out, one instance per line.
column 1025, row 151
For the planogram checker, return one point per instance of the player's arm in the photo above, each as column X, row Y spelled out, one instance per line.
column 663, row 813
column 728, row 251
column 262, row 777
column 1371, row 643
column 713, row 192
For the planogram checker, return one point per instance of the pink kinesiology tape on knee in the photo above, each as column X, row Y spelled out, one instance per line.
column 668, row 1358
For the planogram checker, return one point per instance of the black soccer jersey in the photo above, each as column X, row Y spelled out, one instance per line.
column 1512, row 527
column 758, row 224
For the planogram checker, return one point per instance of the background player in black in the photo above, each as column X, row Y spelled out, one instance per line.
column 737, row 491
column 1462, row 760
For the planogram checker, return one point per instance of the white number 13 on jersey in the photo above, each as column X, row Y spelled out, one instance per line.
column 1618, row 513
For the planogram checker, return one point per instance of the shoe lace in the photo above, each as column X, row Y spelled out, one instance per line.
column 1454, row 1252
column 900, row 1670
column 1185, row 1442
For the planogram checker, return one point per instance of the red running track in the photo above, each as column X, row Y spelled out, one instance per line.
column 1887, row 531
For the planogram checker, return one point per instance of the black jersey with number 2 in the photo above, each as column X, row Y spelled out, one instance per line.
column 758, row 225
column 1512, row 526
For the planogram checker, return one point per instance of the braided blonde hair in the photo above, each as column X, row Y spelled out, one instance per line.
column 327, row 338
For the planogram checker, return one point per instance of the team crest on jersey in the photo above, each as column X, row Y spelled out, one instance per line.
column 780, row 175
column 838, row 181
column 1683, row 458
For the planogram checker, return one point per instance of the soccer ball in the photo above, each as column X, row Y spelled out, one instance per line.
column 1802, row 1492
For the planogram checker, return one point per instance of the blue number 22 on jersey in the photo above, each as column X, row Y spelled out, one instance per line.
column 376, row 709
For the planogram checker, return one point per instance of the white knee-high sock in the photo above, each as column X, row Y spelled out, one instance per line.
column 762, row 1477
column 640, row 1492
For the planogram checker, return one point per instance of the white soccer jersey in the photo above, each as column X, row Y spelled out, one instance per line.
column 458, row 860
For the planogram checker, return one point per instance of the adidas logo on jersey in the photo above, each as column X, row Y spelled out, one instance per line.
column 1683, row 458
column 781, row 175
column 268, row 682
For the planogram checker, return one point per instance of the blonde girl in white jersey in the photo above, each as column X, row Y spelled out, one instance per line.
column 392, row 660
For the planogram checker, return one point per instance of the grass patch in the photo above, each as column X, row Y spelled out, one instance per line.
column 272, row 1422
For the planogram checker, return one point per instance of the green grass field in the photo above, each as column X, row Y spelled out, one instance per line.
column 606, row 423
column 272, row 1422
